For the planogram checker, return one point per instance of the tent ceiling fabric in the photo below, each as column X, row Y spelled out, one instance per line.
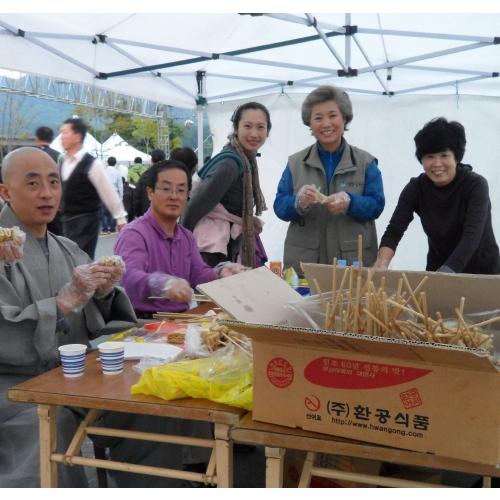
column 157, row 56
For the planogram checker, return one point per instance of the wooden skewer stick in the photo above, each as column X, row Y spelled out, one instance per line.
column 319, row 293
column 407, row 283
column 334, row 289
column 360, row 254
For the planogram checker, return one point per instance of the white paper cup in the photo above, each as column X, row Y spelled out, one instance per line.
column 112, row 355
column 73, row 359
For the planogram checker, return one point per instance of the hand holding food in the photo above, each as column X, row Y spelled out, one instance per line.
column 115, row 267
column 337, row 203
column 11, row 244
column 86, row 278
column 307, row 196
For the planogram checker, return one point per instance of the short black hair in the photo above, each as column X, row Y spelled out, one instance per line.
column 138, row 159
column 441, row 135
column 158, row 155
column 186, row 155
column 78, row 126
column 250, row 105
column 45, row 134
column 161, row 166
column 111, row 161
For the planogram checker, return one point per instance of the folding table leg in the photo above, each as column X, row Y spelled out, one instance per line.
column 305, row 477
column 274, row 467
column 47, row 415
column 224, row 455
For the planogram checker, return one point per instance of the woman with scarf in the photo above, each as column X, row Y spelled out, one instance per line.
column 220, row 211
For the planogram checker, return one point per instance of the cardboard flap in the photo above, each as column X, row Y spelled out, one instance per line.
column 416, row 352
column 256, row 296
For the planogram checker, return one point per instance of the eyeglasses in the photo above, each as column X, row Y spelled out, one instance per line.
column 169, row 191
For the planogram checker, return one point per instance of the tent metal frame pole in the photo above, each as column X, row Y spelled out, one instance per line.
column 430, row 55
column 48, row 48
column 367, row 58
column 374, row 31
column 330, row 47
column 348, row 42
column 447, row 70
column 245, row 78
column 443, row 84
column 157, row 75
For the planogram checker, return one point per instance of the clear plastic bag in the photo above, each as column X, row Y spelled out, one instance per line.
column 226, row 377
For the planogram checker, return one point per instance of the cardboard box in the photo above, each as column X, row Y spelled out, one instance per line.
column 431, row 398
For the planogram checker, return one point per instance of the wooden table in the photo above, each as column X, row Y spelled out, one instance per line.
column 277, row 439
column 95, row 391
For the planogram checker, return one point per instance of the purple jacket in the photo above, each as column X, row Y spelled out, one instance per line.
column 146, row 248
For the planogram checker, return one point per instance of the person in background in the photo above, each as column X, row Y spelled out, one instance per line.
column 347, row 177
column 187, row 156
column 140, row 195
column 128, row 200
column 51, row 297
column 108, row 221
column 221, row 210
column 43, row 139
column 85, row 184
column 135, row 171
column 123, row 170
column 453, row 204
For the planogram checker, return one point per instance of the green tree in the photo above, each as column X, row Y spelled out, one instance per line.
column 176, row 132
column 15, row 117
column 145, row 133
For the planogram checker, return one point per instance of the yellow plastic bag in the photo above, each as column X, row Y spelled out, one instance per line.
column 226, row 377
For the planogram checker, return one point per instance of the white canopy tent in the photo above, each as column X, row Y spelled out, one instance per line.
column 90, row 144
column 122, row 150
column 401, row 70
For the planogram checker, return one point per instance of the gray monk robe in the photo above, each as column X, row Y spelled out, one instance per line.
column 30, row 334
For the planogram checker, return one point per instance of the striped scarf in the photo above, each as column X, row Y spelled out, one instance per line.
column 252, row 194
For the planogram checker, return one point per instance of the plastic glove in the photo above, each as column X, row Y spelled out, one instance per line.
column 11, row 250
column 177, row 290
column 75, row 294
column 445, row 269
column 230, row 269
column 113, row 265
column 307, row 196
column 384, row 264
column 338, row 203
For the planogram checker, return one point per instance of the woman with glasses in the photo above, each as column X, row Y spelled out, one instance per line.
column 221, row 210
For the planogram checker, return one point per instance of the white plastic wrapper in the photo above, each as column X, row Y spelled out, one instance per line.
column 11, row 244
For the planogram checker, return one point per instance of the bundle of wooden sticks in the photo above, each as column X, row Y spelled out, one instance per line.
column 358, row 307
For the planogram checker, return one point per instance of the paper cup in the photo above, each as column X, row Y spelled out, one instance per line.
column 73, row 359
column 112, row 355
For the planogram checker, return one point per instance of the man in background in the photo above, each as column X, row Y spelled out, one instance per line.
column 108, row 221
column 141, row 201
column 85, row 184
column 135, row 171
column 43, row 139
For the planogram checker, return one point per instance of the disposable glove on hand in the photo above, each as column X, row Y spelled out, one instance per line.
column 84, row 282
column 230, row 269
column 11, row 244
column 178, row 290
column 338, row 203
column 115, row 267
column 307, row 196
